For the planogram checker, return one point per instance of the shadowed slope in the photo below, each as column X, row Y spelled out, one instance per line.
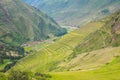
column 50, row 57
column 20, row 23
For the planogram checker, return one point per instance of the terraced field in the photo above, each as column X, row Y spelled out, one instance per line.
column 92, row 60
column 110, row 71
column 56, row 53
column 89, row 53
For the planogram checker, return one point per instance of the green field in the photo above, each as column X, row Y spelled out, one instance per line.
column 88, row 75
column 54, row 54
column 91, row 52
column 110, row 71
column 34, row 47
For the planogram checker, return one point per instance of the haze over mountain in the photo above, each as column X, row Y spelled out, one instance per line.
column 76, row 12
column 20, row 23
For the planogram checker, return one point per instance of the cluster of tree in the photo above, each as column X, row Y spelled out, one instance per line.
column 61, row 32
column 22, row 75
column 5, row 51
column 10, row 53
column 8, row 66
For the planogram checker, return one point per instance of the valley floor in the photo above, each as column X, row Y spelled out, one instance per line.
column 110, row 71
column 86, row 75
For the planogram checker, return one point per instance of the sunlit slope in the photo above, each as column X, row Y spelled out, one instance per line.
column 110, row 71
column 98, row 42
column 107, row 36
column 50, row 57
column 92, row 60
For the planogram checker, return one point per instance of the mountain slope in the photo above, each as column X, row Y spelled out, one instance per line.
column 20, row 23
column 75, row 13
column 107, row 36
column 110, row 71
column 104, row 38
column 49, row 58
column 74, row 52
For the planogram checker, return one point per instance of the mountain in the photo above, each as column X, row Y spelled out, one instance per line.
column 78, row 49
column 109, row 35
column 91, row 52
column 75, row 13
column 96, row 42
column 49, row 58
column 20, row 23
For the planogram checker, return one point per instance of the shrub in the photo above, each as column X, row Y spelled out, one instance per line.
column 3, row 77
column 40, row 76
column 18, row 75
column 8, row 66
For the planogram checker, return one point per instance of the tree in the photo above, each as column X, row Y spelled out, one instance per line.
column 18, row 75
column 3, row 77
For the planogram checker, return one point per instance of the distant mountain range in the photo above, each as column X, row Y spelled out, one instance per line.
column 76, row 12
column 20, row 23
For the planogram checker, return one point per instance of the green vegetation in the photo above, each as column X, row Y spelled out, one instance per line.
column 110, row 71
column 24, row 75
column 9, row 56
column 58, row 52
column 108, row 35
column 91, row 52
column 2, row 65
column 36, row 46
column 20, row 23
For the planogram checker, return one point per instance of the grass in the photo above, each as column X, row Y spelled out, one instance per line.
column 88, row 75
column 2, row 65
column 110, row 71
column 55, row 53
column 21, row 23
column 25, row 23
column 91, row 60
column 106, row 36
column 99, row 59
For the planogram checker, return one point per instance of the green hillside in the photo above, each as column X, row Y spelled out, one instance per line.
column 107, row 36
column 49, row 58
column 110, row 71
column 20, row 23
column 68, row 59
column 91, row 52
